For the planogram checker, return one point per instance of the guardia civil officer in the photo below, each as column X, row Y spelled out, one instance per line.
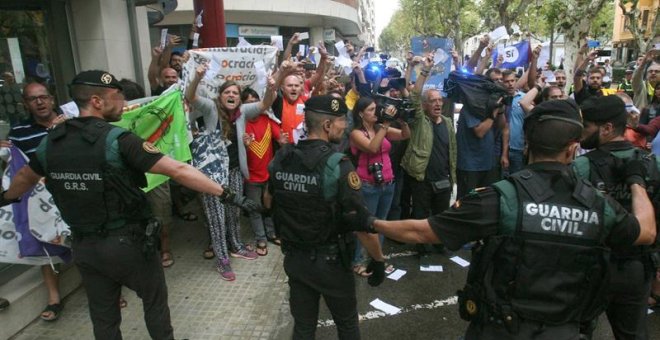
column 94, row 172
column 540, row 267
column 632, row 269
column 311, row 186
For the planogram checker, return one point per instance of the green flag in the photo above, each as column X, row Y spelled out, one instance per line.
column 162, row 122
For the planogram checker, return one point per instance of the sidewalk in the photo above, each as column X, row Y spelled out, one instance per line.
column 202, row 305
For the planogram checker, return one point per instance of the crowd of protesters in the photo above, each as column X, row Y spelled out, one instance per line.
column 408, row 164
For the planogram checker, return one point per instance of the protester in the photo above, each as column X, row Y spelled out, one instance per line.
column 626, row 84
column 645, row 77
column 26, row 136
column 594, row 83
column 260, row 134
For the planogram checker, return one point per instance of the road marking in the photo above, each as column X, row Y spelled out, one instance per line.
column 375, row 314
column 402, row 254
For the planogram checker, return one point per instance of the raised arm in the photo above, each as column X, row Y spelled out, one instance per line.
column 295, row 39
column 533, row 64
column 191, row 90
column 577, row 78
column 427, row 64
column 483, row 62
column 172, row 40
column 153, row 73
column 317, row 78
column 474, row 59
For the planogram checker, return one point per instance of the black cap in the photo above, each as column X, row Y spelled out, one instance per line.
column 326, row 104
column 603, row 109
column 558, row 109
column 629, row 70
column 96, row 78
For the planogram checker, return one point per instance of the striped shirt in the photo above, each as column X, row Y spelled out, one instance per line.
column 27, row 135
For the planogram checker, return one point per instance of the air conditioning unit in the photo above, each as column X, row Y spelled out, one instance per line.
column 158, row 9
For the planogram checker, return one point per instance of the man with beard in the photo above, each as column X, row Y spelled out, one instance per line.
column 307, row 202
column 163, row 79
column 538, row 268
column 594, row 83
column 95, row 172
column 645, row 90
column 631, row 268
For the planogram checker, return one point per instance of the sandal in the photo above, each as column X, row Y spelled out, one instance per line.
column 276, row 241
column 208, row 253
column 166, row 259
column 360, row 270
column 262, row 248
column 51, row 312
column 188, row 217
column 122, row 302
column 389, row 269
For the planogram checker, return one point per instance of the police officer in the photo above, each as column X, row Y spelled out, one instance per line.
column 311, row 186
column 539, row 269
column 631, row 266
column 94, row 172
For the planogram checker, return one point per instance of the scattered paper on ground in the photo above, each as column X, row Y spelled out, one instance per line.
column 385, row 307
column 460, row 261
column 431, row 268
column 397, row 274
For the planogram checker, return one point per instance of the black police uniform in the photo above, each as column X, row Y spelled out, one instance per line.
column 631, row 267
column 316, row 247
column 100, row 199
column 540, row 270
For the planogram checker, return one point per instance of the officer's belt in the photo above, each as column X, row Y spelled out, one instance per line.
column 325, row 249
column 123, row 230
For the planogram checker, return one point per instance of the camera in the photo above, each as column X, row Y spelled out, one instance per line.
column 376, row 169
column 404, row 108
column 478, row 94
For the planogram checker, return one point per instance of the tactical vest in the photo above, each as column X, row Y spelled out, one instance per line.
column 89, row 182
column 599, row 167
column 548, row 262
column 305, row 198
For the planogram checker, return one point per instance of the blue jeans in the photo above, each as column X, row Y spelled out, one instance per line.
column 516, row 161
column 261, row 225
column 378, row 199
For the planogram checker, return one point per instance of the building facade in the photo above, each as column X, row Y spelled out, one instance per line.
column 622, row 39
column 256, row 20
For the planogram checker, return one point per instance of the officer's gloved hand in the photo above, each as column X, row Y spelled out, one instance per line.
column 635, row 172
column 376, row 269
column 240, row 201
column 359, row 218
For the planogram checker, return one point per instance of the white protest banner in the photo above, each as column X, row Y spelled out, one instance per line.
column 236, row 63
column 44, row 224
column 243, row 43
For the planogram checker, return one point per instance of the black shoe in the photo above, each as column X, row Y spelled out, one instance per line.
column 4, row 303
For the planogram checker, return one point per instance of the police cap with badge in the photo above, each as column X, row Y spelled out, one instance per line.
column 565, row 110
column 97, row 78
column 326, row 104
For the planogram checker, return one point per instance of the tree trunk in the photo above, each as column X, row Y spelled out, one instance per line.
column 576, row 23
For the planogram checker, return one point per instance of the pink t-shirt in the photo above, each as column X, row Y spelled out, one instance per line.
column 365, row 158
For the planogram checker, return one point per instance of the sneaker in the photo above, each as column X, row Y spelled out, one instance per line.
column 244, row 253
column 225, row 270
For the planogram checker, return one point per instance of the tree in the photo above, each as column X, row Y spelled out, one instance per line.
column 575, row 22
column 637, row 28
column 507, row 12
column 430, row 18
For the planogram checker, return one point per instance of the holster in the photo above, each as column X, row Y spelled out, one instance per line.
column 151, row 242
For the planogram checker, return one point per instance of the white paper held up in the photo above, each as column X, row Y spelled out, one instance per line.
column 277, row 41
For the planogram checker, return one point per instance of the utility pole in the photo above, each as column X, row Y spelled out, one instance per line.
column 212, row 34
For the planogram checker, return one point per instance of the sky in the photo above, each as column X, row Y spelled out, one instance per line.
column 384, row 11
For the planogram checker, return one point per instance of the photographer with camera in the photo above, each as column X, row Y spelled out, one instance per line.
column 370, row 144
